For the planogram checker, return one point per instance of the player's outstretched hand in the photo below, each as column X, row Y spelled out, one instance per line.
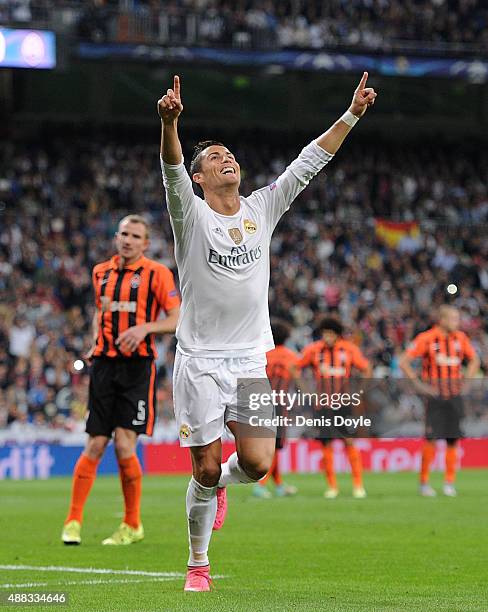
column 170, row 106
column 363, row 97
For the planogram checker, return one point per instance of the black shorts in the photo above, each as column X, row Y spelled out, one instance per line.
column 122, row 394
column 443, row 418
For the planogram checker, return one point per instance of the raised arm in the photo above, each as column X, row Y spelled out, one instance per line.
column 180, row 197
column 362, row 99
column 277, row 197
column 169, row 109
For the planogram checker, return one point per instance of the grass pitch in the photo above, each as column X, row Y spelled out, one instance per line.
column 391, row 551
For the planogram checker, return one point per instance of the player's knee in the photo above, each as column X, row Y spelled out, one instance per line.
column 207, row 472
column 256, row 468
column 96, row 447
column 124, row 448
column 125, row 442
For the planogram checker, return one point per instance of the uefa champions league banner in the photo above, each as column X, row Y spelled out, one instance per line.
column 303, row 456
column 475, row 70
column 42, row 461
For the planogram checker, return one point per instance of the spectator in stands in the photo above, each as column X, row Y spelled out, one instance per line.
column 21, row 337
column 93, row 24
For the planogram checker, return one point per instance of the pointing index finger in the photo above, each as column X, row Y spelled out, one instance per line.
column 176, row 86
column 362, row 82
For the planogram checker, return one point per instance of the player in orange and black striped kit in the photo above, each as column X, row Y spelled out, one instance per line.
column 130, row 292
column 332, row 359
column 443, row 349
column 281, row 369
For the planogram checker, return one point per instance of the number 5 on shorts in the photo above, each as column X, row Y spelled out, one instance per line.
column 141, row 410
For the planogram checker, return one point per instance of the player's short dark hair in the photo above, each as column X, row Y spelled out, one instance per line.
column 281, row 331
column 196, row 160
column 328, row 323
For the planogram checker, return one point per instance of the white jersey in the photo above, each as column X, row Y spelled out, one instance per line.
column 223, row 260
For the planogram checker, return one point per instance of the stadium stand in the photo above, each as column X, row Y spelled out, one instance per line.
column 368, row 24
column 326, row 254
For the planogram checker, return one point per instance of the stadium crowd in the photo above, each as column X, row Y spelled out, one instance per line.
column 370, row 24
column 363, row 23
column 59, row 208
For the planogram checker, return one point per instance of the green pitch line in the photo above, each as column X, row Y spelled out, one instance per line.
column 391, row 551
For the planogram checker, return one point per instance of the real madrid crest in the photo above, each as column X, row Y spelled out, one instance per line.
column 236, row 235
column 250, row 226
column 185, row 431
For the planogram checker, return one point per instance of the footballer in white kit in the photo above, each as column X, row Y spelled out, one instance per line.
column 223, row 260
column 222, row 252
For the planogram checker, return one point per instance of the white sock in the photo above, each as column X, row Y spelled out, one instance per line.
column 201, row 506
column 232, row 473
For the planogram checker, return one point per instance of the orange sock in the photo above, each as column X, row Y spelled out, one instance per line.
column 354, row 457
column 428, row 453
column 275, row 471
column 130, row 472
column 451, row 458
column 329, row 467
column 84, row 476
column 265, row 479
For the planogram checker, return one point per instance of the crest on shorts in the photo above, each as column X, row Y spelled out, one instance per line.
column 135, row 281
column 250, row 226
column 236, row 235
column 185, row 431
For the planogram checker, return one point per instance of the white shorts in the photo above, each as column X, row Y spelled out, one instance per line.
column 205, row 394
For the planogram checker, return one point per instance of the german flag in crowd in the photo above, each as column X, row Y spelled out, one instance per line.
column 392, row 232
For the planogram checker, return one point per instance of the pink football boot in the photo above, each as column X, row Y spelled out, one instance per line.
column 198, row 579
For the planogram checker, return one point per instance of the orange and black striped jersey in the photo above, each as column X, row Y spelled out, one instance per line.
column 131, row 296
column 281, row 362
column 442, row 356
column 332, row 365
column 334, row 361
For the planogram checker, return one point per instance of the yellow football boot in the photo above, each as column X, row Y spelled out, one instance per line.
column 358, row 493
column 71, row 533
column 124, row 535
